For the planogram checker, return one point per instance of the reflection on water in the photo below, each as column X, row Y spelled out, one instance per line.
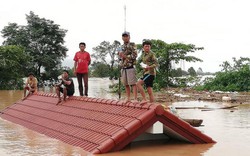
column 230, row 128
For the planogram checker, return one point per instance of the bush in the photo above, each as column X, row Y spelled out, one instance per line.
column 229, row 81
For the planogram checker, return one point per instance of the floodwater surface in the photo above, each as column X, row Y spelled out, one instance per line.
column 230, row 128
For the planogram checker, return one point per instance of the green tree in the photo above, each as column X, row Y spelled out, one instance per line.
column 177, row 72
column 53, row 73
column 171, row 53
column 234, row 77
column 230, row 81
column 192, row 72
column 13, row 61
column 226, row 66
column 42, row 39
column 200, row 71
column 100, row 69
column 239, row 63
column 106, row 53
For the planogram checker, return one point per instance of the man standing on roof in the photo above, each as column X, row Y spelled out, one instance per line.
column 128, row 56
column 30, row 85
column 82, row 61
column 149, row 64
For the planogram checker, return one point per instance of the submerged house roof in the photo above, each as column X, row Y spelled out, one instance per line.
column 97, row 125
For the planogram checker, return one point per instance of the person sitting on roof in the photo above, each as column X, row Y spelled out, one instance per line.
column 30, row 85
column 66, row 86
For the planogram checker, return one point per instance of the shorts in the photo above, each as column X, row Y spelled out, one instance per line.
column 69, row 92
column 28, row 88
column 148, row 80
column 128, row 76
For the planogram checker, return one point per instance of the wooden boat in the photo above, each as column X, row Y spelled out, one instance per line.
column 206, row 108
column 194, row 122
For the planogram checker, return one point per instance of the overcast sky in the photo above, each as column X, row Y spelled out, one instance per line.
column 222, row 27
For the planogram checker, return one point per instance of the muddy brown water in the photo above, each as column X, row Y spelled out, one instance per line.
column 230, row 128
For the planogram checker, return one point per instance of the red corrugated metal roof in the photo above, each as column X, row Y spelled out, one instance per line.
column 94, row 124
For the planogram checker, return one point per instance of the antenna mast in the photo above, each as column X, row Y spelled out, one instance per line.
column 124, row 17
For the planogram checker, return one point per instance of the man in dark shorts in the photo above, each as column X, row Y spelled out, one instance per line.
column 66, row 87
column 149, row 63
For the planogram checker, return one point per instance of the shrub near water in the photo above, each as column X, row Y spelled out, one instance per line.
column 229, row 81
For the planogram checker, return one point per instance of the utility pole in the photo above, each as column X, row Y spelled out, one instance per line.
column 119, row 79
column 125, row 17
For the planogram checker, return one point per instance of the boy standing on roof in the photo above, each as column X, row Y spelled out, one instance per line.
column 149, row 64
column 82, row 61
column 128, row 56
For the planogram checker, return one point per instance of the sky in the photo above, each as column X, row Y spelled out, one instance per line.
column 222, row 27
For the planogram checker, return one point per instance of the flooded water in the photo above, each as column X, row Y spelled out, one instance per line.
column 230, row 128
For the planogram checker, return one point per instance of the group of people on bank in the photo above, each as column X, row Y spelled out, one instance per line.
column 128, row 59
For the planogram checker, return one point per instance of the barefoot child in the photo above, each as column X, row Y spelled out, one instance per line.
column 149, row 63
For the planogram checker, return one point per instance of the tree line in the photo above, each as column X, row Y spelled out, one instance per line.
column 35, row 47
column 167, row 54
column 38, row 47
column 233, row 77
